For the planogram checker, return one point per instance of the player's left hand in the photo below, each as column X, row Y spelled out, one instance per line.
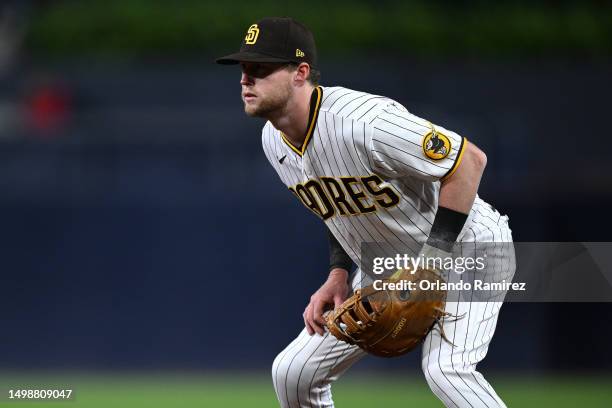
column 332, row 293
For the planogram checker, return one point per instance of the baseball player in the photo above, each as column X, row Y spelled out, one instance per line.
column 374, row 173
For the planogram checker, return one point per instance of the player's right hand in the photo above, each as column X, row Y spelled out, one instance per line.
column 330, row 295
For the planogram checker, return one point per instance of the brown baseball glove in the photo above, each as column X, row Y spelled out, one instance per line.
column 389, row 322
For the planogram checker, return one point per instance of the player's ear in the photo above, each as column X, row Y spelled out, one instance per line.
column 302, row 72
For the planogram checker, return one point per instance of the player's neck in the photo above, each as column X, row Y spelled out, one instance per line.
column 293, row 121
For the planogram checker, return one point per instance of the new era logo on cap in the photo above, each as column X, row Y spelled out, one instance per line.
column 275, row 39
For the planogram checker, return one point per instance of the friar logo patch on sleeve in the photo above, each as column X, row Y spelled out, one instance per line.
column 436, row 146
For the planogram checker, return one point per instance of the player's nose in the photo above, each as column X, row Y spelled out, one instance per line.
column 245, row 79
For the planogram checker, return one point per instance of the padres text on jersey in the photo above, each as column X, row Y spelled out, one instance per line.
column 367, row 167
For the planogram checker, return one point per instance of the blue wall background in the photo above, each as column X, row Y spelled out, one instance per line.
column 149, row 231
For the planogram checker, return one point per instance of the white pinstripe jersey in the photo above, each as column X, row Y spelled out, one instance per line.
column 368, row 167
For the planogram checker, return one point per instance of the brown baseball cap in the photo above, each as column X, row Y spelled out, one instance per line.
column 275, row 39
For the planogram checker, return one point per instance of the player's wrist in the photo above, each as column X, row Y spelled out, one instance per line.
column 339, row 273
column 433, row 252
column 338, row 258
column 446, row 228
column 435, row 259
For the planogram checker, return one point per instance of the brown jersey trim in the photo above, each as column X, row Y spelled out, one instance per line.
column 452, row 170
column 315, row 105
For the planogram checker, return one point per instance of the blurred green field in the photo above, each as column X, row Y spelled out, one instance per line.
column 255, row 390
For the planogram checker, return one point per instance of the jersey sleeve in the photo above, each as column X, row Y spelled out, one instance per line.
column 403, row 144
column 266, row 142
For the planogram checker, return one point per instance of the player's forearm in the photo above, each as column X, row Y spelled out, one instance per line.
column 457, row 195
column 338, row 258
column 458, row 192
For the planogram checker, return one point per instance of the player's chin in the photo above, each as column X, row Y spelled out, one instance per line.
column 250, row 110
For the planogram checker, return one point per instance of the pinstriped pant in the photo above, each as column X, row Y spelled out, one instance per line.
column 304, row 371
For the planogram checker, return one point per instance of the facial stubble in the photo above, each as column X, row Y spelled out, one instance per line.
column 272, row 104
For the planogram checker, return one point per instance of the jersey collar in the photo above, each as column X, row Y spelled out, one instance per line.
column 315, row 105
